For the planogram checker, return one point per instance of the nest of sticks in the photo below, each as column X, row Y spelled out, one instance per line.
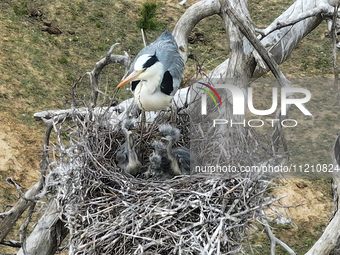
column 108, row 212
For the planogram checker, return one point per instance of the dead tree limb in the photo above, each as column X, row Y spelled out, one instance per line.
column 330, row 238
column 23, row 228
column 94, row 74
column 333, row 33
column 313, row 12
column 24, row 202
column 47, row 234
column 11, row 243
column 274, row 240
column 190, row 18
column 281, row 42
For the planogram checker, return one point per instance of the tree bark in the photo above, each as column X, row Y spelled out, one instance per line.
column 329, row 242
column 24, row 202
column 282, row 42
column 48, row 233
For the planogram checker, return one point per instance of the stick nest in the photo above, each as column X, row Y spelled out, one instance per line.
column 108, row 212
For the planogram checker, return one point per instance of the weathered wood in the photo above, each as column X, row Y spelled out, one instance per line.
column 330, row 239
column 107, row 60
column 47, row 234
column 282, row 42
column 7, row 223
column 189, row 20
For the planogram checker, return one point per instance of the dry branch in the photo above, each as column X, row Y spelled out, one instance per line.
column 189, row 19
column 11, row 243
column 277, row 24
column 274, row 240
column 94, row 74
column 330, row 239
column 245, row 27
column 26, row 201
column 47, row 234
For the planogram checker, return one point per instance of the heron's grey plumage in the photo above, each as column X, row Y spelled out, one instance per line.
column 179, row 158
column 166, row 50
column 159, row 162
column 166, row 130
column 182, row 155
column 156, row 74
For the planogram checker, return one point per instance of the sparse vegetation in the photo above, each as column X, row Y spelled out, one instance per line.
column 63, row 60
column 148, row 20
column 20, row 10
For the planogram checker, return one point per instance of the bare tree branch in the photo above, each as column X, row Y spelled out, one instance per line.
column 335, row 56
column 189, row 19
column 11, row 243
column 331, row 236
column 274, row 240
column 48, row 234
column 277, row 24
column 24, row 202
column 23, row 228
column 94, row 74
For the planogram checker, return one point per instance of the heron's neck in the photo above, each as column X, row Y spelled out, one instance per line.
column 132, row 153
column 174, row 164
column 155, row 77
column 168, row 149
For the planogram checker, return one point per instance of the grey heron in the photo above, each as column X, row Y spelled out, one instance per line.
column 179, row 158
column 156, row 74
column 126, row 155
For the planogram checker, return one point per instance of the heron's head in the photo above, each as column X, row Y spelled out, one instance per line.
column 145, row 67
column 168, row 132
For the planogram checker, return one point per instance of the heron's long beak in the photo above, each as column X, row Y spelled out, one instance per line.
column 131, row 77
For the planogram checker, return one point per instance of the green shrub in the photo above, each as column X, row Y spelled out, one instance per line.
column 69, row 77
column 18, row 11
column 148, row 20
column 63, row 60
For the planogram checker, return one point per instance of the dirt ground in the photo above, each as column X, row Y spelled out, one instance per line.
column 306, row 201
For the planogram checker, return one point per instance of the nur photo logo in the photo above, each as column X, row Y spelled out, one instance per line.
column 209, row 93
column 242, row 98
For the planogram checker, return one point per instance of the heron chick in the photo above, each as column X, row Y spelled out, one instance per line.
column 160, row 163
column 126, row 155
column 180, row 156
